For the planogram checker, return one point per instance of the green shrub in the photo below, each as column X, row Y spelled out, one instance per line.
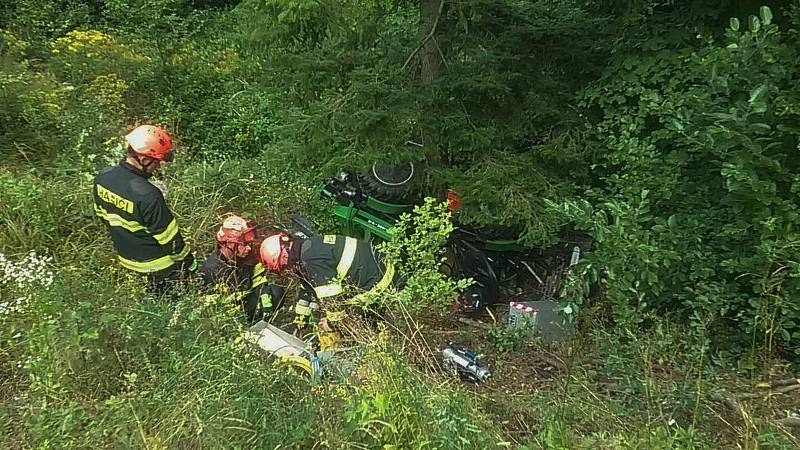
column 416, row 250
column 393, row 408
column 700, row 211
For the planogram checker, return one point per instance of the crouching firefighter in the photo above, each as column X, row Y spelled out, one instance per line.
column 144, row 231
column 234, row 265
column 328, row 266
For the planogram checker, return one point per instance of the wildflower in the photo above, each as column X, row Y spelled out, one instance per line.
column 93, row 44
column 22, row 278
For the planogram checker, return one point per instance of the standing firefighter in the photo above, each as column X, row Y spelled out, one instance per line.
column 143, row 229
column 329, row 266
column 235, row 265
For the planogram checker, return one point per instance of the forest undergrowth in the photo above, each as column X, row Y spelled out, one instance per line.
column 668, row 131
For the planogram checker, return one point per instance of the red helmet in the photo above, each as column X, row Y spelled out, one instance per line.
column 235, row 237
column 150, row 141
column 274, row 252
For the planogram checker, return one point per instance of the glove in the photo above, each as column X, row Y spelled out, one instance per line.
column 304, row 311
column 329, row 340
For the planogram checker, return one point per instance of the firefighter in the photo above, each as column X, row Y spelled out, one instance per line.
column 144, row 231
column 235, row 265
column 329, row 266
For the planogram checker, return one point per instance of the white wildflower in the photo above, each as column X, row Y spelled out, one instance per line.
column 22, row 278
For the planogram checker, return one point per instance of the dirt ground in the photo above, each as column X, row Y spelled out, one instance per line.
column 512, row 372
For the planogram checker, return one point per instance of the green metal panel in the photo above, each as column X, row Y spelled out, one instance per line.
column 388, row 208
column 354, row 219
column 374, row 225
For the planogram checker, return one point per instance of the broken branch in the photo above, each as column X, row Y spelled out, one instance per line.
column 424, row 40
column 473, row 323
column 786, row 382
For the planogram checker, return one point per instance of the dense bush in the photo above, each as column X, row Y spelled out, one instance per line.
column 699, row 209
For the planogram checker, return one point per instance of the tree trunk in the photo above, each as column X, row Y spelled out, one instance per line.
column 431, row 66
column 431, row 60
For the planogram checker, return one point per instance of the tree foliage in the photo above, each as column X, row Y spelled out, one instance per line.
column 698, row 208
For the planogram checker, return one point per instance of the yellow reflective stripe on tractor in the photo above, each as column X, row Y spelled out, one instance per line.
column 348, row 255
column 328, row 290
column 155, row 264
column 168, row 234
column 115, row 220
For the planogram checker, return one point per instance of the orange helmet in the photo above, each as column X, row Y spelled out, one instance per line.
column 274, row 252
column 235, row 237
column 150, row 141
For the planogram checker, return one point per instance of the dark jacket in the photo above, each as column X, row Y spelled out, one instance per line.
column 143, row 229
column 332, row 263
column 235, row 275
column 247, row 275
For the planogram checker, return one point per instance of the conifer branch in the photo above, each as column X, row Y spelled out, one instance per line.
column 426, row 38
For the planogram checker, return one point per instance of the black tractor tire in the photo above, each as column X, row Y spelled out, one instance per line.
column 392, row 183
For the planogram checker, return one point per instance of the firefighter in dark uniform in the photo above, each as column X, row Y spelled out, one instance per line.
column 329, row 266
column 144, row 231
column 234, row 265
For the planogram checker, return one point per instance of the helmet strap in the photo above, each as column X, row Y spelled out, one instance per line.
column 146, row 167
column 136, row 160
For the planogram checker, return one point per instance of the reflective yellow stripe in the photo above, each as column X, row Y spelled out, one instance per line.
column 115, row 220
column 258, row 270
column 258, row 281
column 115, row 199
column 155, row 264
column 348, row 255
column 382, row 285
column 345, row 261
column 148, row 266
column 266, row 300
column 259, row 276
column 168, row 234
column 328, row 290
column 386, row 281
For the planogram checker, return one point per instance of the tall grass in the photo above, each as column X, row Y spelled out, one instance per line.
column 94, row 362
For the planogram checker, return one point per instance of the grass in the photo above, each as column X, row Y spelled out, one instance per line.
column 93, row 362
